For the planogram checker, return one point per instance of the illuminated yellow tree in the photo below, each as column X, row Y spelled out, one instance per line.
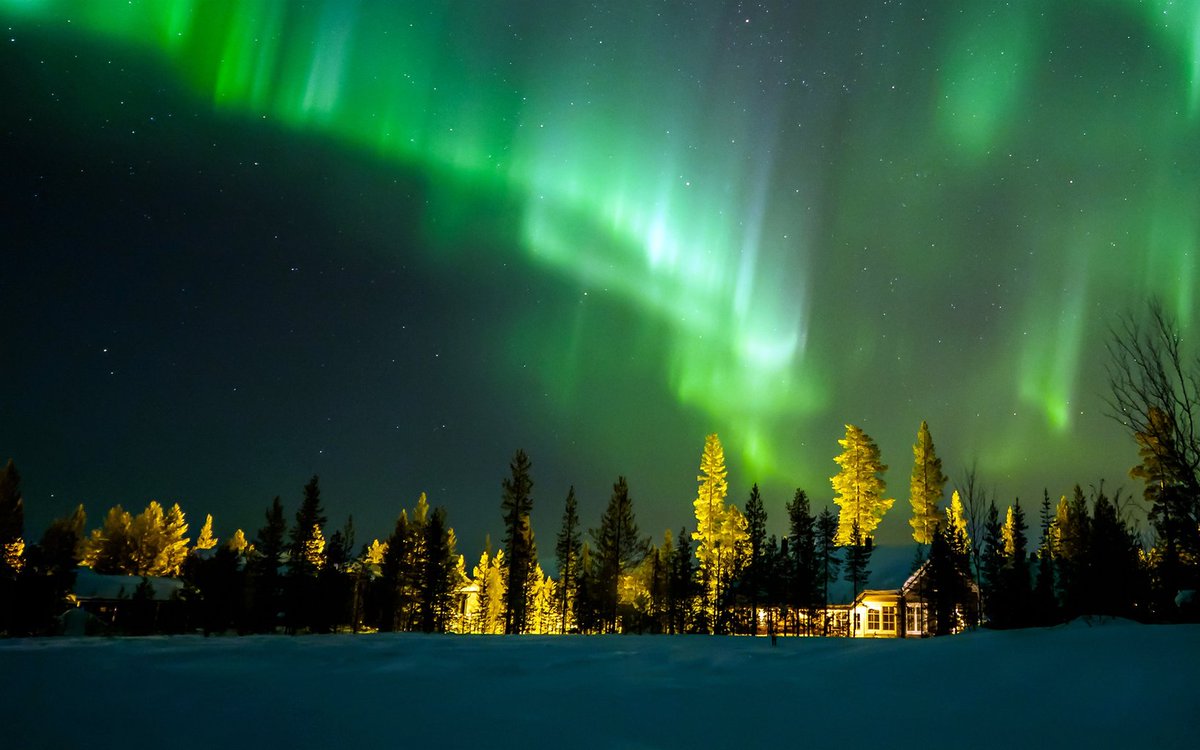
column 956, row 522
column 859, row 486
column 237, row 542
column 12, row 522
column 926, row 487
column 205, row 540
column 1007, row 533
column 720, row 529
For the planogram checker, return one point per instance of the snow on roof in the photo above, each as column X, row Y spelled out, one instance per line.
column 92, row 585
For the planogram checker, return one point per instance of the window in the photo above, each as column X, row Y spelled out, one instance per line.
column 889, row 618
column 857, row 620
column 872, row 619
column 910, row 618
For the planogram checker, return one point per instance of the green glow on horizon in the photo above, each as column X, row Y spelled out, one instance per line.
column 784, row 274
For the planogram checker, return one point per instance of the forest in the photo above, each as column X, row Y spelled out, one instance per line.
column 980, row 564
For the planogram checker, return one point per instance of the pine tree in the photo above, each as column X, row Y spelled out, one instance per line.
column 1045, row 606
column 995, row 601
column 1016, row 572
column 956, row 526
column 516, row 505
column 12, row 523
column 1171, row 507
column 859, row 485
column 174, row 549
column 306, row 555
column 926, row 487
column 828, row 561
column 755, row 575
column 1073, row 538
column 205, row 540
column 147, row 533
column 858, row 557
column 110, row 548
column 619, row 547
column 709, row 507
column 263, row 568
column 804, row 576
column 1117, row 584
column 682, row 586
column 237, row 542
column 566, row 550
column 439, row 574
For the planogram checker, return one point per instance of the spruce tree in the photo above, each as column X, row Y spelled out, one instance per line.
column 755, row 577
column 859, row 485
column 619, row 547
column 709, row 507
column 263, row 568
column 992, row 564
column 205, row 540
column 682, row 585
column 310, row 519
column 515, row 507
column 1045, row 606
column 1017, row 585
column 827, row 559
column 12, row 523
column 438, row 577
column 926, row 487
column 566, row 550
column 858, row 557
column 803, row 575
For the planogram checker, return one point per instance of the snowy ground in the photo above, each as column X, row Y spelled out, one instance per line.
column 1115, row 684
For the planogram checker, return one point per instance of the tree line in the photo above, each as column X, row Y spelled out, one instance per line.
column 724, row 576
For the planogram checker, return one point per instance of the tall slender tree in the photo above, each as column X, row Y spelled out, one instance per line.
column 858, row 557
column 263, row 568
column 804, row 575
column 619, row 546
column 12, row 523
column 926, row 487
column 827, row 559
column 859, row 485
column 515, row 506
column 755, row 576
column 711, row 516
column 566, row 550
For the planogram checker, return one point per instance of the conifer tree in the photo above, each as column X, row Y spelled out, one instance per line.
column 859, row 485
column 827, row 558
column 12, row 523
column 619, row 546
column 956, row 526
column 307, row 555
column 926, row 487
column 682, row 586
column 1016, row 572
column 439, row 574
column 1045, row 606
column 709, row 507
column 992, row 565
column 237, row 542
column 263, row 567
column 205, row 540
column 174, row 548
column 110, row 548
column 1073, row 537
column 1116, row 580
column 566, row 550
column 515, row 506
column 147, row 533
column 858, row 557
column 804, row 576
column 755, row 577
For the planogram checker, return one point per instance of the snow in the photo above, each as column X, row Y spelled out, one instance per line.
column 1100, row 684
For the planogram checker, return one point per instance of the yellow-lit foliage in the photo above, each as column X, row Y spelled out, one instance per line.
column 926, row 487
column 1007, row 533
column 206, row 540
column 13, row 554
column 859, row 485
column 956, row 519
column 375, row 552
column 314, row 548
column 720, row 529
column 238, row 543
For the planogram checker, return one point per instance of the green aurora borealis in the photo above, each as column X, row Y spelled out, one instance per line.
column 764, row 220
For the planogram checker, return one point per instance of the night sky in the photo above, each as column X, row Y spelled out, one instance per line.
column 390, row 243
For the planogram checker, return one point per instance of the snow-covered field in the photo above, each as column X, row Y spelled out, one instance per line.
column 1113, row 684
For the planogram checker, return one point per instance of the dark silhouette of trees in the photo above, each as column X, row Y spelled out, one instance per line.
column 567, row 549
column 1155, row 393
column 754, row 577
column 263, row 569
column 619, row 547
column 515, row 506
column 804, row 572
column 828, row 561
column 858, row 557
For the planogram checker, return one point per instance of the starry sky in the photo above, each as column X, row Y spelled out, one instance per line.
column 390, row 243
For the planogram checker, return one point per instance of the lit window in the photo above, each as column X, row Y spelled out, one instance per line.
column 872, row 619
column 889, row 619
column 910, row 618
